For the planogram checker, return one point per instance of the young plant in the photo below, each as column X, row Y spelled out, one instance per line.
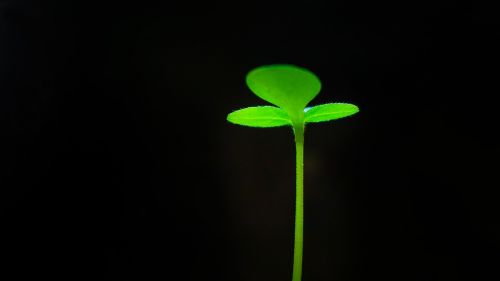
column 290, row 89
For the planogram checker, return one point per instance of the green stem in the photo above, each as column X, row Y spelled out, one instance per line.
column 299, row 204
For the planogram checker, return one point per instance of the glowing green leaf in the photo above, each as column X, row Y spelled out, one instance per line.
column 260, row 116
column 329, row 111
column 287, row 86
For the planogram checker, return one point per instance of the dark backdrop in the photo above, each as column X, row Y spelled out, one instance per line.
column 117, row 162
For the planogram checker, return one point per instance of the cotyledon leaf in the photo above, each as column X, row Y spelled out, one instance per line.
column 260, row 116
column 286, row 86
column 329, row 111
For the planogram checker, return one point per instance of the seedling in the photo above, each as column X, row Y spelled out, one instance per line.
column 290, row 89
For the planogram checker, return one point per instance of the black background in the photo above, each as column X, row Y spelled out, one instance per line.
column 117, row 162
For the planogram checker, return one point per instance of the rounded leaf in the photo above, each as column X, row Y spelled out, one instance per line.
column 329, row 111
column 260, row 116
column 287, row 86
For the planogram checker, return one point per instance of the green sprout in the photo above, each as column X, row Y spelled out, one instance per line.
column 290, row 89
